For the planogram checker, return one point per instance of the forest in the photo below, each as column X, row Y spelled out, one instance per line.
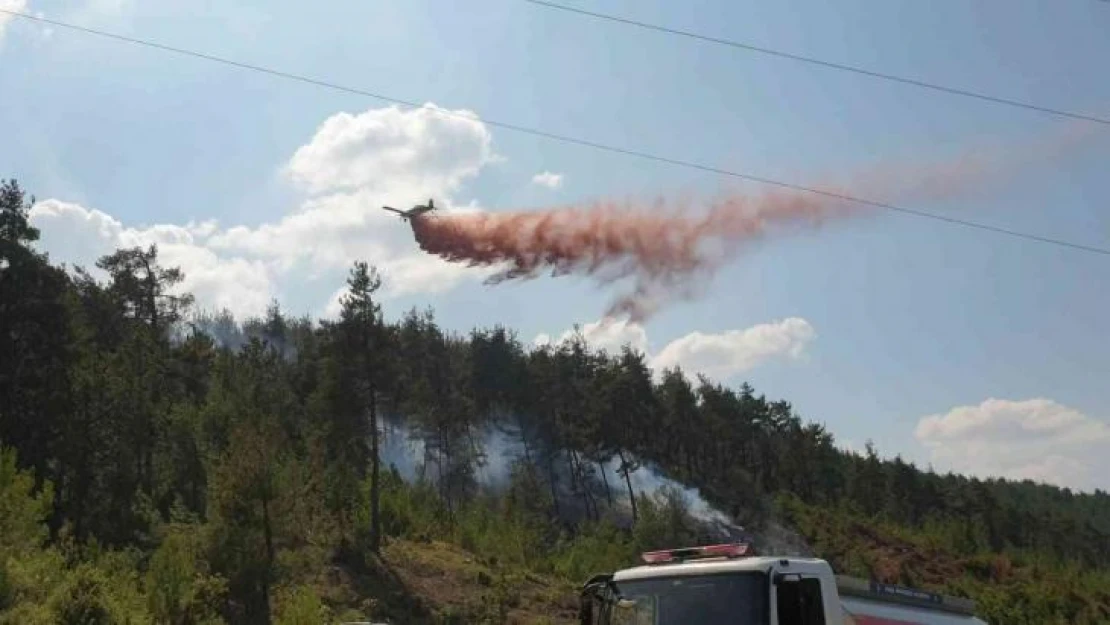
column 165, row 464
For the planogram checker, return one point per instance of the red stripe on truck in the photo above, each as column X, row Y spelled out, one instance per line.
column 863, row 619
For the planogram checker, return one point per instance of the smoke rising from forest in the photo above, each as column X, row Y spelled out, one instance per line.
column 669, row 252
column 496, row 449
column 405, row 451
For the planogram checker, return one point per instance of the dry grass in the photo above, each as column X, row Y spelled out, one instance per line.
column 437, row 582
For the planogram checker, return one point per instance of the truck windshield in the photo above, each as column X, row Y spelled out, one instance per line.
column 719, row 599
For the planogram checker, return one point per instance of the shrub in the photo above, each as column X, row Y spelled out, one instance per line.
column 299, row 605
column 179, row 588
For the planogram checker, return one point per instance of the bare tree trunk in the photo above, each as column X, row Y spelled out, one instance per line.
column 423, row 475
column 583, row 485
column 268, row 533
column 524, row 440
column 575, row 486
column 605, row 481
column 552, row 482
column 628, row 482
column 445, row 468
column 375, row 469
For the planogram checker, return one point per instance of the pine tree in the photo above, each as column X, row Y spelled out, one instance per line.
column 35, row 341
column 361, row 324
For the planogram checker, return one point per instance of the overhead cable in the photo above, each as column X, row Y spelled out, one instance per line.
column 565, row 138
column 820, row 62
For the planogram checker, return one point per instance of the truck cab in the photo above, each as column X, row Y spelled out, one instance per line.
column 730, row 585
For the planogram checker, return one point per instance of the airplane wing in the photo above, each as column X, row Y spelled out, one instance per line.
column 395, row 210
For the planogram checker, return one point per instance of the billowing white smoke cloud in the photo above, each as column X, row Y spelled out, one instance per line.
column 400, row 448
column 405, row 452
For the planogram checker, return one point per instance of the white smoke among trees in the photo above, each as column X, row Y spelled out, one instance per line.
column 405, row 451
column 580, row 486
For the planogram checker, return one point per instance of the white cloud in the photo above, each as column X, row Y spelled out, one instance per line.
column 722, row 355
column 78, row 235
column 718, row 356
column 383, row 149
column 18, row 6
column 608, row 334
column 548, row 179
column 335, row 304
column 1035, row 439
column 353, row 165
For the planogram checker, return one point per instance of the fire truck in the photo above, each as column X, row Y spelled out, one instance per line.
column 728, row 584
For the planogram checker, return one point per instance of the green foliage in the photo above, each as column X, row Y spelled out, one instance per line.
column 179, row 589
column 23, row 512
column 45, row 588
column 15, row 224
column 1009, row 587
column 91, row 595
column 597, row 548
column 26, row 569
column 300, row 606
column 411, row 511
column 181, row 467
column 664, row 521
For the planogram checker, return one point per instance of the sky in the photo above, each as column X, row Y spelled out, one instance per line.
column 959, row 348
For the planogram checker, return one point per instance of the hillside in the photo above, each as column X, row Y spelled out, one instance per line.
column 418, row 582
column 165, row 465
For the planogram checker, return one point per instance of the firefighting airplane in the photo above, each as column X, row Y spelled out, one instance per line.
column 413, row 212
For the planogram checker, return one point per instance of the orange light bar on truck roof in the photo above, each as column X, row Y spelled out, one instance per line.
column 726, row 550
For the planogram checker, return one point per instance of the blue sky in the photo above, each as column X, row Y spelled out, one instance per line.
column 907, row 318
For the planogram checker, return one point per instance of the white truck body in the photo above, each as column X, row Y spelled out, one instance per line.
column 758, row 590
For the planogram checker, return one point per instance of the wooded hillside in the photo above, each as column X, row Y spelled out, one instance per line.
column 164, row 465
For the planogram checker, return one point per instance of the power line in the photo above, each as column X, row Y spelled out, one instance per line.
column 566, row 138
column 827, row 64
